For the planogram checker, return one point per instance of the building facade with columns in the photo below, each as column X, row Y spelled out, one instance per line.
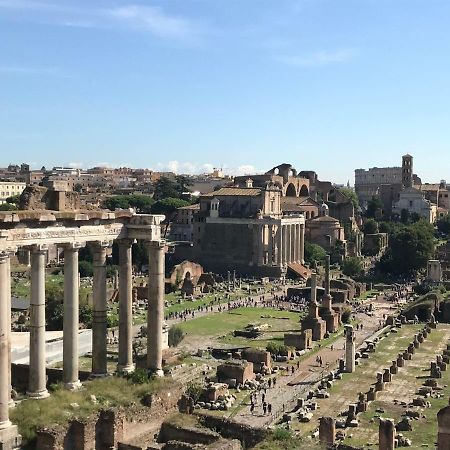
column 244, row 229
column 71, row 230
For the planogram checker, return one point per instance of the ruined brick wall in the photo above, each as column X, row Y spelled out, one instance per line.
column 247, row 435
column 35, row 198
column 173, row 432
column 239, row 371
column 104, row 430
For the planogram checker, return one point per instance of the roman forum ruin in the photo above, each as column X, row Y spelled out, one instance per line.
column 34, row 232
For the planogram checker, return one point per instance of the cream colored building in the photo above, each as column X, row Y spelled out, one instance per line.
column 413, row 200
column 10, row 188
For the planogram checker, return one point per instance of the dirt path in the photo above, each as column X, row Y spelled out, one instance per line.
column 291, row 387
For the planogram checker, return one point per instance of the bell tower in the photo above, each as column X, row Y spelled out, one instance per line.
column 407, row 171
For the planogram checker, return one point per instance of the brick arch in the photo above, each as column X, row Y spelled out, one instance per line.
column 304, row 192
column 291, row 190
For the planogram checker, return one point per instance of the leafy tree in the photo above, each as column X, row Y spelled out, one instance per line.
column 142, row 203
column 8, row 207
column 352, row 267
column 349, row 232
column 184, row 183
column 78, row 187
column 443, row 224
column 176, row 335
column 85, row 268
column 314, row 252
column 165, row 188
column 14, row 199
column 371, row 226
column 337, row 251
column 117, row 202
column 54, row 314
column 168, row 206
column 351, row 195
column 410, row 248
column 373, row 206
column 85, row 315
column 404, row 216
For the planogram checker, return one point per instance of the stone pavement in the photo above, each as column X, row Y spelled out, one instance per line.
column 291, row 387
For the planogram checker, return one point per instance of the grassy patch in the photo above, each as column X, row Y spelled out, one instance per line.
column 30, row 415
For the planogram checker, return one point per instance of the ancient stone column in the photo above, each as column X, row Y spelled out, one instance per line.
column 327, row 275
column 386, row 434
column 293, row 244
column 258, row 250
column 313, row 287
column 37, row 379
column 327, row 431
column 349, row 349
column 302, row 243
column 8, row 306
column 9, row 436
column 443, row 418
column 155, row 318
column 284, row 240
column 71, row 314
column 280, row 244
column 125, row 363
column 271, row 247
column 288, row 243
column 99, row 313
column 5, row 344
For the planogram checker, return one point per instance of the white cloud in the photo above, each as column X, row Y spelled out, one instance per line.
column 150, row 19
column 76, row 165
column 184, row 167
column 246, row 169
column 154, row 20
column 318, row 59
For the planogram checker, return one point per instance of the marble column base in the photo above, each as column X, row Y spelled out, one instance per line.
column 157, row 373
column 126, row 369
column 39, row 395
column 73, row 385
column 10, row 438
column 98, row 375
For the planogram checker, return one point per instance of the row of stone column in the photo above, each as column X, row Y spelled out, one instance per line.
column 37, row 368
column 285, row 244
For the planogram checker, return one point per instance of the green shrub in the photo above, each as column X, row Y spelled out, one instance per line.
column 176, row 335
column 281, row 434
column 139, row 376
column 346, row 314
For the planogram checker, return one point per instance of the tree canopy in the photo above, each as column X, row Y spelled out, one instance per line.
column 352, row 267
column 443, row 224
column 168, row 206
column 410, row 248
column 142, row 203
column 351, row 195
column 314, row 252
column 373, row 206
column 371, row 226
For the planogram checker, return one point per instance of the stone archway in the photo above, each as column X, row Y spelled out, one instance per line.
column 291, row 191
column 304, row 192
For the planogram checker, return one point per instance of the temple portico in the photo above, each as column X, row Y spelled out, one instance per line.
column 35, row 231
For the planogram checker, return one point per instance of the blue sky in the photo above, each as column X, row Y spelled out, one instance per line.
column 328, row 85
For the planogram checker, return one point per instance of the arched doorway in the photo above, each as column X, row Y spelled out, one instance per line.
column 291, row 191
column 304, row 191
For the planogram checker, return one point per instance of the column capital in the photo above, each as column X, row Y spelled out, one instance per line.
column 126, row 242
column 72, row 245
column 156, row 245
column 97, row 245
column 37, row 248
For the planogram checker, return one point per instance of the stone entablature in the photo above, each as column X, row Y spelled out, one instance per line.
column 22, row 229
